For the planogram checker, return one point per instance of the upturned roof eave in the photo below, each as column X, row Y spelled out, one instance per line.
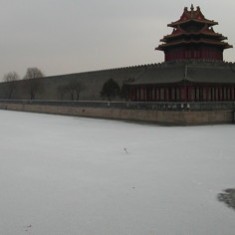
column 183, row 80
column 166, row 45
column 181, row 22
column 154, row 83
column 218, row 35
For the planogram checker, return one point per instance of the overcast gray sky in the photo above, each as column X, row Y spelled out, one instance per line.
column 68, row 36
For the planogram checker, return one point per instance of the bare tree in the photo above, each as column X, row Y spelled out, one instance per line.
column 33, row 83
column 33, row 73
column 72, row 89
column 10, row 79
column 61, row 90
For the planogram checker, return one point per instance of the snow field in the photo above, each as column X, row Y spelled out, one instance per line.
column 70, row 175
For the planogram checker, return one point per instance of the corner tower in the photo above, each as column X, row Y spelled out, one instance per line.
column 193, row 37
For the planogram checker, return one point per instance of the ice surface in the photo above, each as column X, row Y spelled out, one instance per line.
column 78, row 176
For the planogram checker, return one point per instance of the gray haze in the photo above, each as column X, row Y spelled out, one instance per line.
column 67, row 36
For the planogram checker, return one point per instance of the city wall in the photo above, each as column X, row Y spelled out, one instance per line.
column 93, row 81
column 184, row 117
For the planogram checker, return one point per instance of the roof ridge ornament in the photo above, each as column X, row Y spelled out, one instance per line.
column 192, row 7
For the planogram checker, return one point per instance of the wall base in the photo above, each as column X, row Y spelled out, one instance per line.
column 153, row 116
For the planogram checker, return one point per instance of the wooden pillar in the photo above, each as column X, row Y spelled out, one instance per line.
column 166, row 93
column 220, row 94
column 191, row 93
column 182, row 93
column 212, row 93
column 228, row 93
column 131, row 95
column 173, row 94
column 137, row 93
column 209, row 93
column 232, row 93
column 145, row 93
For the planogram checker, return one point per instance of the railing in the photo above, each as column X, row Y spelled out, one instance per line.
column 173, row 106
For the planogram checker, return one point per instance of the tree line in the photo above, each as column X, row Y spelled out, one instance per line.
column 33, row 85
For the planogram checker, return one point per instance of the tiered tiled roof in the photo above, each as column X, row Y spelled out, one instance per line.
column 190, row 71
column 193, row 29
column 192, row 15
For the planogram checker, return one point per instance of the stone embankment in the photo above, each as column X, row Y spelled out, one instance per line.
column 139, row 114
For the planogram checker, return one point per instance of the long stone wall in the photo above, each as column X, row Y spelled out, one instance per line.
column 92, row 82
column 153, row 116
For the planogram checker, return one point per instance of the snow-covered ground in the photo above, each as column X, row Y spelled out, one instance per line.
column 78, row 176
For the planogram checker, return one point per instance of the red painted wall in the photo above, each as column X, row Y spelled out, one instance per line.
column 200, row 53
